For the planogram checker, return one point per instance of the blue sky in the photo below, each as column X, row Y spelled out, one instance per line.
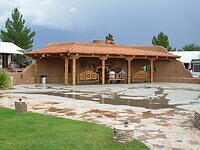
column 132, row 22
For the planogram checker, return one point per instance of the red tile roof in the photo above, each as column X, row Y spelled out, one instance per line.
column 86, row 48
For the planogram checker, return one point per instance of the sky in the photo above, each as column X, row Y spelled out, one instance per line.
column 131, row 22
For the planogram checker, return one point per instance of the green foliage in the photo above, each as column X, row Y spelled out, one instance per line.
column 146, row 68
column 191, row 47
column 33, row 131
column 17, row 33
column 162, row 40
column 5, row 81
column 23, row 60
column 109, row 37
column 172, row 49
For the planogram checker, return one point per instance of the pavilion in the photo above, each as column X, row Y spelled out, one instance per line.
column 80, row 63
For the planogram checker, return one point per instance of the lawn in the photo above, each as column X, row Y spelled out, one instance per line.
column 33, row 131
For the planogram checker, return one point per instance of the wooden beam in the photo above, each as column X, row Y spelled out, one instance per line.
column 163, row 58
column 74, row 71
column 65, row 57
column 143, row 57
column 66, row 70
column 129, row 70
column 103, row 69
column 152, row 70
column 36, row 72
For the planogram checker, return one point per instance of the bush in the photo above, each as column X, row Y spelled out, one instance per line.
column 5, row 81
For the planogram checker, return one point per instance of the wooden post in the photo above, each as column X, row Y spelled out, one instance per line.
column 151, row 80
column 129, row 71
column 66, row 70
column 36, row 72
column 103, row 69
column 74, row 71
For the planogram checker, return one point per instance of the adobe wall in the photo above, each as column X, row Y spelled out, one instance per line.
column 172, row 71
column 137, row 64
column 25, row 77
column 53, row 68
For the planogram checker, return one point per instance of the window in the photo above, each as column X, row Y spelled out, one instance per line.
column 196, row 67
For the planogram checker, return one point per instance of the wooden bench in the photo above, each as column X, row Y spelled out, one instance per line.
column 118, row 77
column 88, row 76
column 141, row 76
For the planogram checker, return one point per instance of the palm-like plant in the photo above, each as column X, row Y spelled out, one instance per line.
column 5, row 80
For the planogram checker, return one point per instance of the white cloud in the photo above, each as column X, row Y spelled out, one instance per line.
column 72, row 9
column 53, row 13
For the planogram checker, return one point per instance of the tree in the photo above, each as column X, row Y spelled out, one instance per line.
column 162, row 40
column 17, row 33
column 191, row 47
column 109, row 37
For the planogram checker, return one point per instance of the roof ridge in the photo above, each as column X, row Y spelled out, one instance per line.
column 89, row 48
column 120, row 47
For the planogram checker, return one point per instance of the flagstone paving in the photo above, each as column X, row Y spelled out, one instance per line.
column 161, row 112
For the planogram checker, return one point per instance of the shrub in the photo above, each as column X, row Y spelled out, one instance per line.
column 5, row 81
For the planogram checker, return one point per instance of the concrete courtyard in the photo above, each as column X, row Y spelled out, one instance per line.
column 161, row 112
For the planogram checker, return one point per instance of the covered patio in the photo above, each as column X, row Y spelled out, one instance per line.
column 97, row 69
column 82, row 63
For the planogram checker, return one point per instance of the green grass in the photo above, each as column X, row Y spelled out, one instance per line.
column 33, row 131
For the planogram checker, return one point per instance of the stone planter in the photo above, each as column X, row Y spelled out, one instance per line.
column 20, row 107
column 123, row 134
